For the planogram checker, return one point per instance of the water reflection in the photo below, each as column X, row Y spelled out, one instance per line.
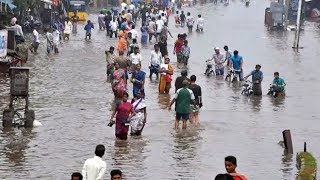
column 16, row 143
column 164, row 100
column 255, row 102
column 129, row 157
column 287, row 165
column 185, row 152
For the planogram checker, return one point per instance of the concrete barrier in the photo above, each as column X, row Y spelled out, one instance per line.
column 307, row 166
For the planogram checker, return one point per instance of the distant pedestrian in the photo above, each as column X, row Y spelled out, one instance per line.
column 94, row 168
column 49, row 39
column 135, row 58
column 116, row 174
column 178, row 48
column 152, row 28
column 101, row 18
column 179, row 80
column 231, row 165
column 166, row 71
column 186, row 52
column 89, row 26
column 74, row 20
column 144, row 34
column 155, row 61
column 35, row 44
column 113, row 28
column 67, row 29
column 200, row 23
column 190, row 22
column 76, row 176
column 182, row 19
column 56, row 39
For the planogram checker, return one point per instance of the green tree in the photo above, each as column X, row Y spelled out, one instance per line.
column 23, row 5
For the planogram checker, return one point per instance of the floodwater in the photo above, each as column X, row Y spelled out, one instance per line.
column 72, row 99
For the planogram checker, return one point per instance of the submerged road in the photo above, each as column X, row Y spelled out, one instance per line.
column 72, row 99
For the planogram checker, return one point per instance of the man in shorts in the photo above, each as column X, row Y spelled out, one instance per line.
column 35, row 44
column 182, row 98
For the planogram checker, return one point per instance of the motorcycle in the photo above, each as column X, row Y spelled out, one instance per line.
column 232, row 75
column 247, row 88
column 274, row 91
column 28, row 26
column 209, row 69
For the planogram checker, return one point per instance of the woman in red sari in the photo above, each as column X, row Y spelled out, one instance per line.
column 124, row 111
column 119, row 85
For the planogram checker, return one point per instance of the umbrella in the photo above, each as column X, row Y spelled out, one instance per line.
column 104, row 10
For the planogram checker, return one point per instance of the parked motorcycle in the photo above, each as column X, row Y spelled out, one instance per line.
column 28, row 26
column 209, row 69
column 247, row 88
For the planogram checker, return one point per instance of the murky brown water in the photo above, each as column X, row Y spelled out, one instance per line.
column 72, row 100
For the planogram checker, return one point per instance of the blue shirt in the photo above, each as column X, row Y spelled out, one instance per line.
column 88, row 27
column 236, row 62
column 257, row 75
column 279, row 82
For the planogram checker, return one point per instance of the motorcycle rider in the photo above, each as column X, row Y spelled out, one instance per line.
column 257, row 77
column 278, row 85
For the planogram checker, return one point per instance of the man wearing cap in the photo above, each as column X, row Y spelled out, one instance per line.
column 182, row 98
column 178, row 83
column 219, row 61
column 257, row 77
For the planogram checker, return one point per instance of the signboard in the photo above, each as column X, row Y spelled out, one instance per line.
column 3, row 43
column 19, row 81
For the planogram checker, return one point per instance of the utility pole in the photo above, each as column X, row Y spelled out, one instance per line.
column 286, row 13
column 297, row 35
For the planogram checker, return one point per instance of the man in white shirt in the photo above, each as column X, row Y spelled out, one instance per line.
column 152, row 28
column 135, row 34
column 35, row 44
column 131, row 7
column 190, row 21
column 123, row 6
column 94, row 168
column 18, row 33
column 135, row 58
column 164, row 18
column 113, row 28
column 200, row 23
column 155, row 61
column 159, row 24
column 56, row 39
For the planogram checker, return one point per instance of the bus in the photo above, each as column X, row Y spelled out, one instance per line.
column 79, row 7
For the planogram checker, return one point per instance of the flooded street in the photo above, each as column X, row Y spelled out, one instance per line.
column 72, row 99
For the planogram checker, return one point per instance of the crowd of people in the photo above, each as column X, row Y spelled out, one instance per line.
column 123, row 66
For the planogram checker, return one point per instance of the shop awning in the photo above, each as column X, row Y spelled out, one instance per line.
column 9, row 3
